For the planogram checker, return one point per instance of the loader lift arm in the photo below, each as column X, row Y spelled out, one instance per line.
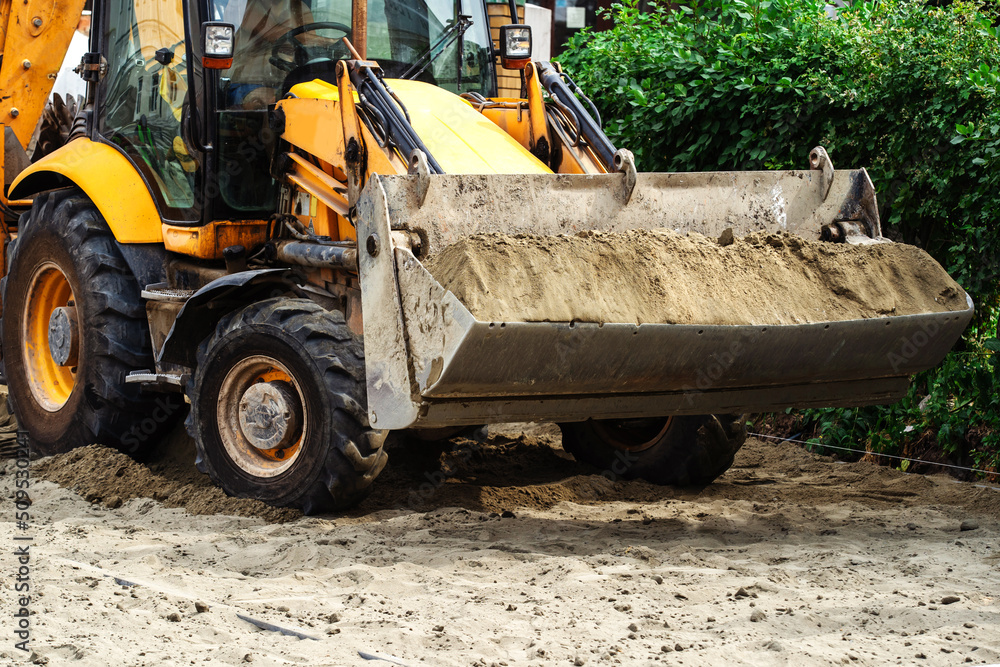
column 36, row 35
column 385, row 114
column 588, row 125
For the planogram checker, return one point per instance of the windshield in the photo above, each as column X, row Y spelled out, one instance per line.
column 282, row 42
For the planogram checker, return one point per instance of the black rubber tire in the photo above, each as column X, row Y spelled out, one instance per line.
column 341, row 455
column 692, row 451
column 65, row 228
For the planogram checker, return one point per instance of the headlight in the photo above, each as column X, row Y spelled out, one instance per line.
column 218, row 39
column 515, row 46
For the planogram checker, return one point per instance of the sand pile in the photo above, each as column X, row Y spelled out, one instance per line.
column 665, row 277
column 783, row 562
column 507, row 472
column 104, row 475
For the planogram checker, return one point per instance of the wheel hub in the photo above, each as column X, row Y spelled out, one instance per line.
column 64, row 342
column 270, row 415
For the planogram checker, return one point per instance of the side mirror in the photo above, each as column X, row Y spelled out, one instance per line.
column 218, row 40
column 515, row 46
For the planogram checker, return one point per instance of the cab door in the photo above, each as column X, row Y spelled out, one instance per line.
column 144, row 100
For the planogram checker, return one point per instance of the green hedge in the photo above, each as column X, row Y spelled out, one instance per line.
column 756, row 85
column 905, row 89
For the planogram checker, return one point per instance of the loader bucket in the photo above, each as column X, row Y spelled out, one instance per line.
column 432, row 363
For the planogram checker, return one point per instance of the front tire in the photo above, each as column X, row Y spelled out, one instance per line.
column 279, row 409
column 680, row 451
column 74, row 325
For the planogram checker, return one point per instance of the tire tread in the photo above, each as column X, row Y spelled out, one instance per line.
column 355, row 456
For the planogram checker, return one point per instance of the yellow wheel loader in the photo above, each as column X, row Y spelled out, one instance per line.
column 241, row 224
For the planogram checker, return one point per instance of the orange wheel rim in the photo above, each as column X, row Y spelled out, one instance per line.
column 618, row 435
column 51, row 384
column 257, row 461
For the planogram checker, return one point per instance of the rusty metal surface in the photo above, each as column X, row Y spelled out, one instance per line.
column 455, row 206
column 386, row 361
column 316, row 255
column 568, row 408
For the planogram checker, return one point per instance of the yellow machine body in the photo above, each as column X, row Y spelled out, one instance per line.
column 107, row 177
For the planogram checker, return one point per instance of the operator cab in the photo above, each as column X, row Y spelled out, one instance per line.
column 200, row 136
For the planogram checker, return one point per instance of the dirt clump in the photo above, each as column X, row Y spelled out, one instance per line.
column 508, row 471
column 665, row 277
column 104, row 475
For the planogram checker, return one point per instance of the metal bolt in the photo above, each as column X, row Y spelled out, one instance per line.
column 26, row 64
column 37, row 22
column 374, row 417
column 14, row 112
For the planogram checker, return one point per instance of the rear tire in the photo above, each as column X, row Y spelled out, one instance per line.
column 330, row 457
column 681, row 451
column 66, row 257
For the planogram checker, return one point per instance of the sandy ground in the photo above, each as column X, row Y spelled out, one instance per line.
column 524, row 557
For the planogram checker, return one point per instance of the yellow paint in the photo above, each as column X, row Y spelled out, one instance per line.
column 108, row 179
column 50, row 383
column 43, row 46
column 511, row 120
column 462, row 140
column 315, row 123
column 536, row 107
column 208, row 241
column 315, row 127
column 319, row 90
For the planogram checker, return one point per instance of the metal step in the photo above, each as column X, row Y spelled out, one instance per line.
column 160, row 292
column 163, row 381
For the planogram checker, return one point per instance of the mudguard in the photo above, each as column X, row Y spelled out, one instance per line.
column 107, row 178
column 197, row 319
